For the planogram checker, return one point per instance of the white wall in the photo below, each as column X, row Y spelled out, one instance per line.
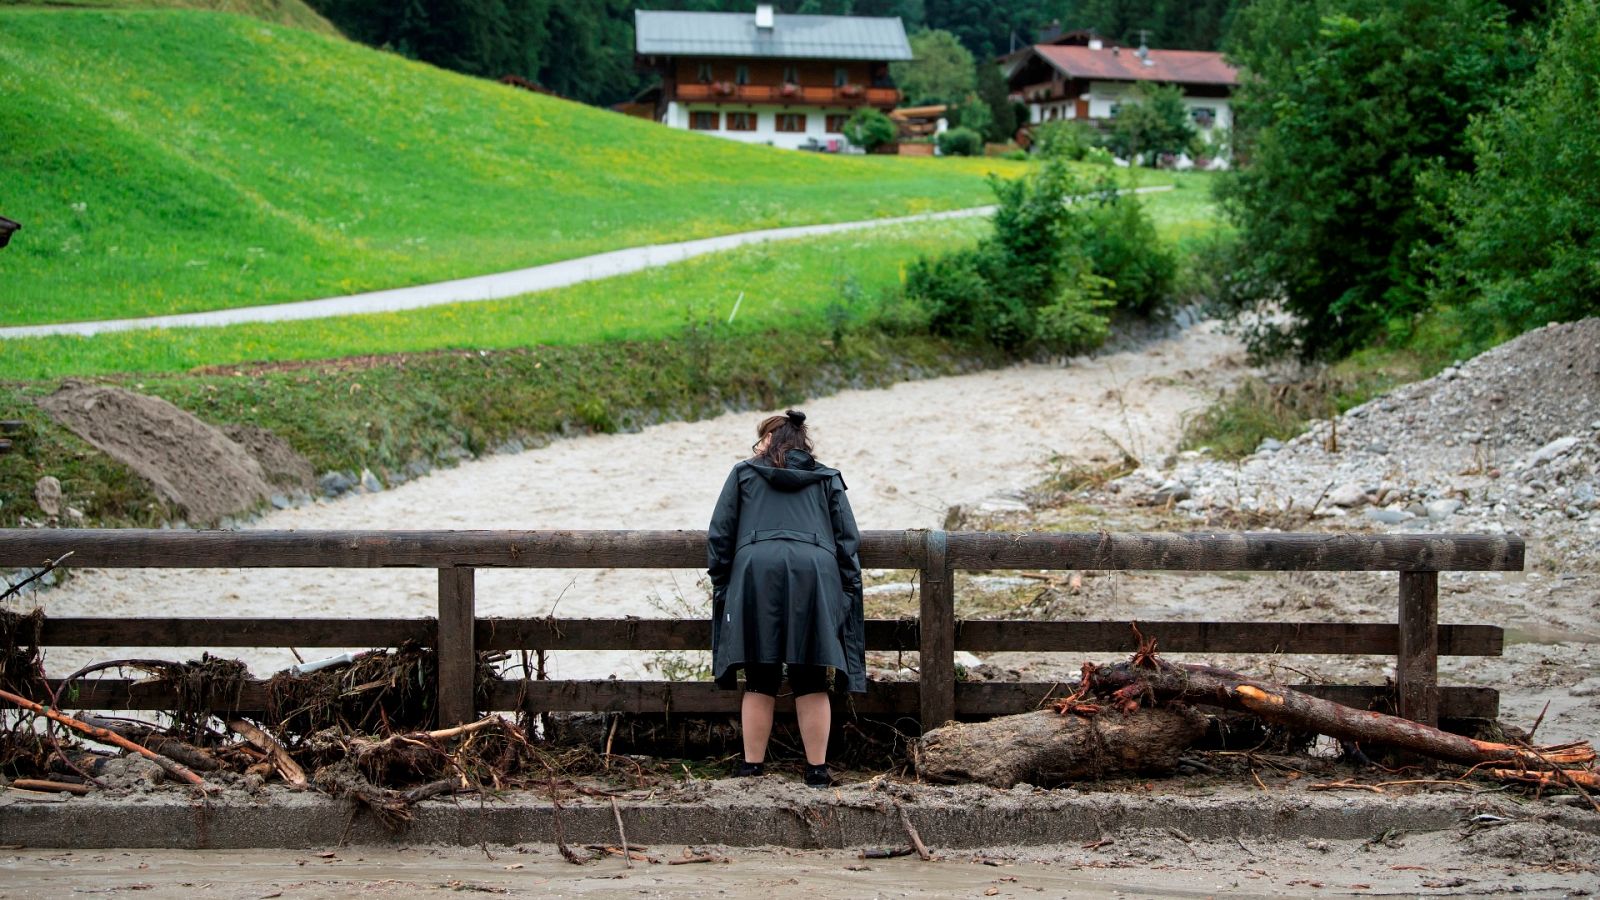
column 1104, row 95
column 677, row 116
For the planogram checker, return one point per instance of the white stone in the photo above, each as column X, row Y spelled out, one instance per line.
column 1347, row 495
column 1552, row 450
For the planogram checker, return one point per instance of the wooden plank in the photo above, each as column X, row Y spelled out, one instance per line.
column 458, row 655
column 973, row 699
column 1237, row 551
column 151, row 548
column 1338, row 638
column 976, row 635
column 936, row 663
column 136, row 548
column 207, row 632
column 1417, row 668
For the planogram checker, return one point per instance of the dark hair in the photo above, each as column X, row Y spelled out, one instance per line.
column 788, row 432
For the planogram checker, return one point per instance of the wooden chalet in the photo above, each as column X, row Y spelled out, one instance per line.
column 764, row 77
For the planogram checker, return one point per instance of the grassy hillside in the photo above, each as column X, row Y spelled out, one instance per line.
column 294, row 13
column 170, row 160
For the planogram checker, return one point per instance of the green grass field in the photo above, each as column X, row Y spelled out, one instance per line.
column 167, row 161
column 786, row 284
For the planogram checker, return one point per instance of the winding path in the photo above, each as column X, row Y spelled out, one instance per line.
column 490, row 287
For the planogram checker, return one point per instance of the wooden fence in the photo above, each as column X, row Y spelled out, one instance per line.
column 1416, row 639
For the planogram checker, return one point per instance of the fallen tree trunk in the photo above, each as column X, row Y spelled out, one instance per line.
column 1152, row 680
column 1047, row 748
column 166, row 745
column 281, row 760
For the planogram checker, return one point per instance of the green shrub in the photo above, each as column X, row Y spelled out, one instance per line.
column 1122, row 246
column 1028, row 285
column 1064, row 139
column 1156, row 125
column 870, row 129
column 960, row 142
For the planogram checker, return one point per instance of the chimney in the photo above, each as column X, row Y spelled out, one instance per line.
column 1144, row 47
column 764, row 16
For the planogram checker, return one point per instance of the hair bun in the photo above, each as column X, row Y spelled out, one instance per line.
column 796, row 416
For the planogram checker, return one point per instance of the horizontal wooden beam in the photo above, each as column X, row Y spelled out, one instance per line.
column 1373, row 638
column 1229, row 551
column 1237, row 551
column 893, row 698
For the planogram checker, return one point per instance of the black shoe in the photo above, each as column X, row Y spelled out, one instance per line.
column 750, row 770
column 818, row 776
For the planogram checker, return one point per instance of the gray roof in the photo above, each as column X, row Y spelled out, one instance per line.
column 662, row 33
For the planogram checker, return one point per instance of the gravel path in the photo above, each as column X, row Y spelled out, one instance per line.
column 491, row 287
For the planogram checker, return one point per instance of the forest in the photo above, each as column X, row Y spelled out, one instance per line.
column 583, row 49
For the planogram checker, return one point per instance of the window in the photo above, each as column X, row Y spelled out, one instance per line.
column 836, row 124
column 1204, row 116
column 741, row 75
column 793, row 122
column 841, row 76
column 704, row 76
column 703, row 121
column 791, row 74
column 741, row 121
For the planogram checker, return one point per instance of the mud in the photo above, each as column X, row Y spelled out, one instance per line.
column 909, row 453
column 189, row 463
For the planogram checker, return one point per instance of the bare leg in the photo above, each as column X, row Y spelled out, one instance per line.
column 756, row 718
column 816, row 717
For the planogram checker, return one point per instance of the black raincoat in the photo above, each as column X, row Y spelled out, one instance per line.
column 785, row 577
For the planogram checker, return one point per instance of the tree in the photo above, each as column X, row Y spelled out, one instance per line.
column 1171, row 24
column 869, row 129
column 1345, row 103
column 994, row 92
column 941, row 73
column 1155, row 124
column 1523, row 233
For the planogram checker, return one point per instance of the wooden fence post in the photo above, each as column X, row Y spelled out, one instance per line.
column 1417, row 669
column 458, row 655
column 937, row 659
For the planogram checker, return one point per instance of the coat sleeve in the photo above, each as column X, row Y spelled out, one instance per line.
column 847, row 543
column 723, row 534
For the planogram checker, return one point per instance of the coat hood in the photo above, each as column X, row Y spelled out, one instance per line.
column 800, row 471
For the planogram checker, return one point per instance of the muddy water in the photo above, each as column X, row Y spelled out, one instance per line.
column 908, row 452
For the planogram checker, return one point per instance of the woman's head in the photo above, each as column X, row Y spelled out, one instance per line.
column 777, row 435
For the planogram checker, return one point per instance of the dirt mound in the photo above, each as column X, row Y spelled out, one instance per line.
column 189, row 463
column 283, row 467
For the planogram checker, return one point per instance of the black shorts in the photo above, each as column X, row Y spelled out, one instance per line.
column 764, row 678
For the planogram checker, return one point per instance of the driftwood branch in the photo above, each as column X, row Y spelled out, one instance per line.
column 1149, row 680
column 170, row 747
column 110, row 737
column 281, row 760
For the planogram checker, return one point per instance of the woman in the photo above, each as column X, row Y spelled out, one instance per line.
column 785, row 589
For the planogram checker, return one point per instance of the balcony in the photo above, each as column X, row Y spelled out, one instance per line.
column 786, row 94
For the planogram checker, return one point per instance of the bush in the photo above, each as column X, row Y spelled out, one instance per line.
column 870, row 129
column 1157, row 125
column 960, row 142
column 1121, row 243
column 1064, row 139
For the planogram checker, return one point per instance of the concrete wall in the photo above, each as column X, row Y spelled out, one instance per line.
column 766, row 131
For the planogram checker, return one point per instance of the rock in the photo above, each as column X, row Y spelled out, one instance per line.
column 1269, row 445
column 1552, row 450
column 75, row 514
column 417, row 468
column 1439, row 510
column 47, row 493
column 332, row 484
column 279, row 501
column 1377, row 448
column 1170, row 491
column 1348, row 495
column 1387, row 516
column 370, row 482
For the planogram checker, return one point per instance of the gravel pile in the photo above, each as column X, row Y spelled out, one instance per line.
column 1508, row 441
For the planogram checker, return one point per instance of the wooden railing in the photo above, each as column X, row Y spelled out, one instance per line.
column 793, row 94
column 1416, row 638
